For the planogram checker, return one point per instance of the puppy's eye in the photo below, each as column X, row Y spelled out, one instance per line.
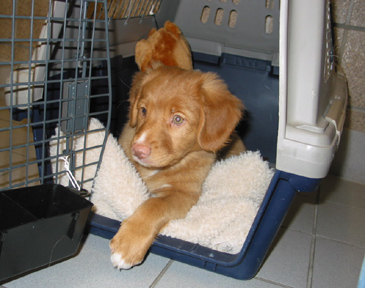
column 178, row 120
column 143, row 111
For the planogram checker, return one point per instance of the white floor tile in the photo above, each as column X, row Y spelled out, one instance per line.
column 336, row 265
column 301, row 214
column 342, row 223
column 337, row 190
column 288, row 262
column 181, row 275
column 92, row 268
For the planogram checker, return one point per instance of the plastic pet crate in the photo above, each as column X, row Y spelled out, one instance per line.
column 276, row 56
column 281, row 65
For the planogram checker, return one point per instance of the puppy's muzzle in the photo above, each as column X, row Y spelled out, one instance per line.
column 141, row 151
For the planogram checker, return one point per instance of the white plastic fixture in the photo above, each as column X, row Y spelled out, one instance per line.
column 312, row 90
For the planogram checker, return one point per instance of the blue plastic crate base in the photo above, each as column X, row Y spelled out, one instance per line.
column 245, row 264
column 39, row 225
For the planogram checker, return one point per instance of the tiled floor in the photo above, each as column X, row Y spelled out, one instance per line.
column 321, row 244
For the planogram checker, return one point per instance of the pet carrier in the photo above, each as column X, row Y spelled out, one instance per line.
column 294, row 94
column 282, row 66
column 51, row 76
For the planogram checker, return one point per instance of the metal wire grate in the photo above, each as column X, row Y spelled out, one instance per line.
column 54, row 72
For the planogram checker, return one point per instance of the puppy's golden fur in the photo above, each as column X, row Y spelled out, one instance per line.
column 179, row 119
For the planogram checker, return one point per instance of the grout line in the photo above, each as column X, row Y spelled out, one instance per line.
column 342, row 178
column 312, row 252
column 349, row 27
column 357, row 109
column 340, row 242
column 158, row 278
column 272, row 282
column 313, row 242
column 345, row 205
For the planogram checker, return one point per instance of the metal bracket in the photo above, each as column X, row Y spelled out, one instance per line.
column 75, row 106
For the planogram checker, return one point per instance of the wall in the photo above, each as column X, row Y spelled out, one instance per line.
column 349, row 29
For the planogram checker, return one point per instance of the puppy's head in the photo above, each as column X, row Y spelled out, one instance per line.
column 176, row 111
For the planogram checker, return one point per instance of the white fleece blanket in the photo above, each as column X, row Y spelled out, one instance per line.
column 223, row 216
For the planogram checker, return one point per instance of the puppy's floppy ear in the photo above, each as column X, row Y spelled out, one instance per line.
column 143, row 54
column 220, row 114
column 134, row 95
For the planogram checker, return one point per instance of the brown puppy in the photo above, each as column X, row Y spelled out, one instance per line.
column 178, row 120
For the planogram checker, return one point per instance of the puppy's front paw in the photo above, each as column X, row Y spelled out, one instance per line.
column 119, row 262
column 129, row 246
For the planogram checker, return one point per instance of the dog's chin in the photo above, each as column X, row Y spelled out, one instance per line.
column 148, row 163
column 142, row 162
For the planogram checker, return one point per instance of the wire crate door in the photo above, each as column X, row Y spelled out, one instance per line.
column 54, row 77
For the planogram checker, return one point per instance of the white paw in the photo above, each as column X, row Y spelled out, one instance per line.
column 118, row 261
